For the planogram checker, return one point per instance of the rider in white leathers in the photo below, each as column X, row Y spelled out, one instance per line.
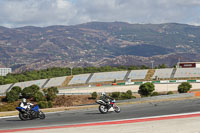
column 25, row 105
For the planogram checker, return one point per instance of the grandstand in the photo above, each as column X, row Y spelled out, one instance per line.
column 137, row 74
column 79, row 79
column 187, row 72
column 108, row 76
column 54, row 82
column 29, row 83
column 163, row 73
column 4, row 88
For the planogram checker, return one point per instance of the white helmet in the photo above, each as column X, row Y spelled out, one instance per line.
column 103, row 94
column 23, row 100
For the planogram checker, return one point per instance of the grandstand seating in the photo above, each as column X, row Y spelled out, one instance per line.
column 29, row 83
column 163, row 73
column 4, row 88
column 187, row 72
column 79, row 79
column 168, row 73
column 55, row 82
column 108, row 76
column 137, row 74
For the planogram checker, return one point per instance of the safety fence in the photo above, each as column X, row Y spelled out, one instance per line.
column 160, row 82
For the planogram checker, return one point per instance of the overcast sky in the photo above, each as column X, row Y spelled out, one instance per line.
column 17, row 13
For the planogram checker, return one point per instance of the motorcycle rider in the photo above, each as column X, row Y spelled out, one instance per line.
column 25, row 105
column 107, row 100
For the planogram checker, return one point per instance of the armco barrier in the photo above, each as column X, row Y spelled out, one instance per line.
column 160, row 82
column 120, row 83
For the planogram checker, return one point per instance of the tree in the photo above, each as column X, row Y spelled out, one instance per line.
column 146, row 89
column 184, row 87
column 50, row 93
column 162, row 66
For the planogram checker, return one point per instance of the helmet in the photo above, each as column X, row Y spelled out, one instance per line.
column 23, row 100
column 103, row 94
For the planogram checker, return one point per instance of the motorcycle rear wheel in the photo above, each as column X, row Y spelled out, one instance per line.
column 117, row 109
column 103, row 109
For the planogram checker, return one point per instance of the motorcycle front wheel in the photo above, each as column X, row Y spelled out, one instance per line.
column 117, row 109
column 23, row 116
column 103, row 109
column 41, row 115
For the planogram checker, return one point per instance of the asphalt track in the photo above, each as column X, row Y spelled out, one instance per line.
column 93, row 115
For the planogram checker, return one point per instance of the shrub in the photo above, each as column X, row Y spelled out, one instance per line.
column 115, row 95
column 29, row 92
column 17, row 89
column 34, row 88
column 50, row 104
column 155, row 94
column 169, row 93
column 94, row 95
column 39, row 97
column 12, row 96
column 129, row 92
column 127, row 95
column 184, row 87
column 146, row 89
column 43, row 104
column 50, row 93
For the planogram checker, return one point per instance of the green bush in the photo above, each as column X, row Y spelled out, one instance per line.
column 12, row 96
column 184, row 87
column 169, row 93
column 29, row 92
column 129, row 92
column 94, row 95
column 50, row 93
column 127, row 95
column 155, row 94
column 146, row 89
column 43, row 104
column 17, row 89
column 34, row 88
column 50, row 104
column 115, row 95
column 39, row 97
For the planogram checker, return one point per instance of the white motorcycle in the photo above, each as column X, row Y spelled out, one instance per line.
column 108, row 107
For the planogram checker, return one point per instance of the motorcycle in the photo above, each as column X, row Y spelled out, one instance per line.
column 29, row 114
column 108, row 107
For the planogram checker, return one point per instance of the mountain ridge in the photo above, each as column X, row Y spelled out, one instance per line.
column 98, row 44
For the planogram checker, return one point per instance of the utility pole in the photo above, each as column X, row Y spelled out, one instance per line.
column 152, row 64
column 71, row 70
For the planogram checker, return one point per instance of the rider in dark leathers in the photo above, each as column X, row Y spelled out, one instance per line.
column 107, row 100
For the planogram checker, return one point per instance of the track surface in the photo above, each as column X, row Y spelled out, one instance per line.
column 93, row 115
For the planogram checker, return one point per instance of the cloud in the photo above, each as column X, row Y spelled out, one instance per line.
column 15, row 13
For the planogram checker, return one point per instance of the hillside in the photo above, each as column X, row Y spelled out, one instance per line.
column 98, row 44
